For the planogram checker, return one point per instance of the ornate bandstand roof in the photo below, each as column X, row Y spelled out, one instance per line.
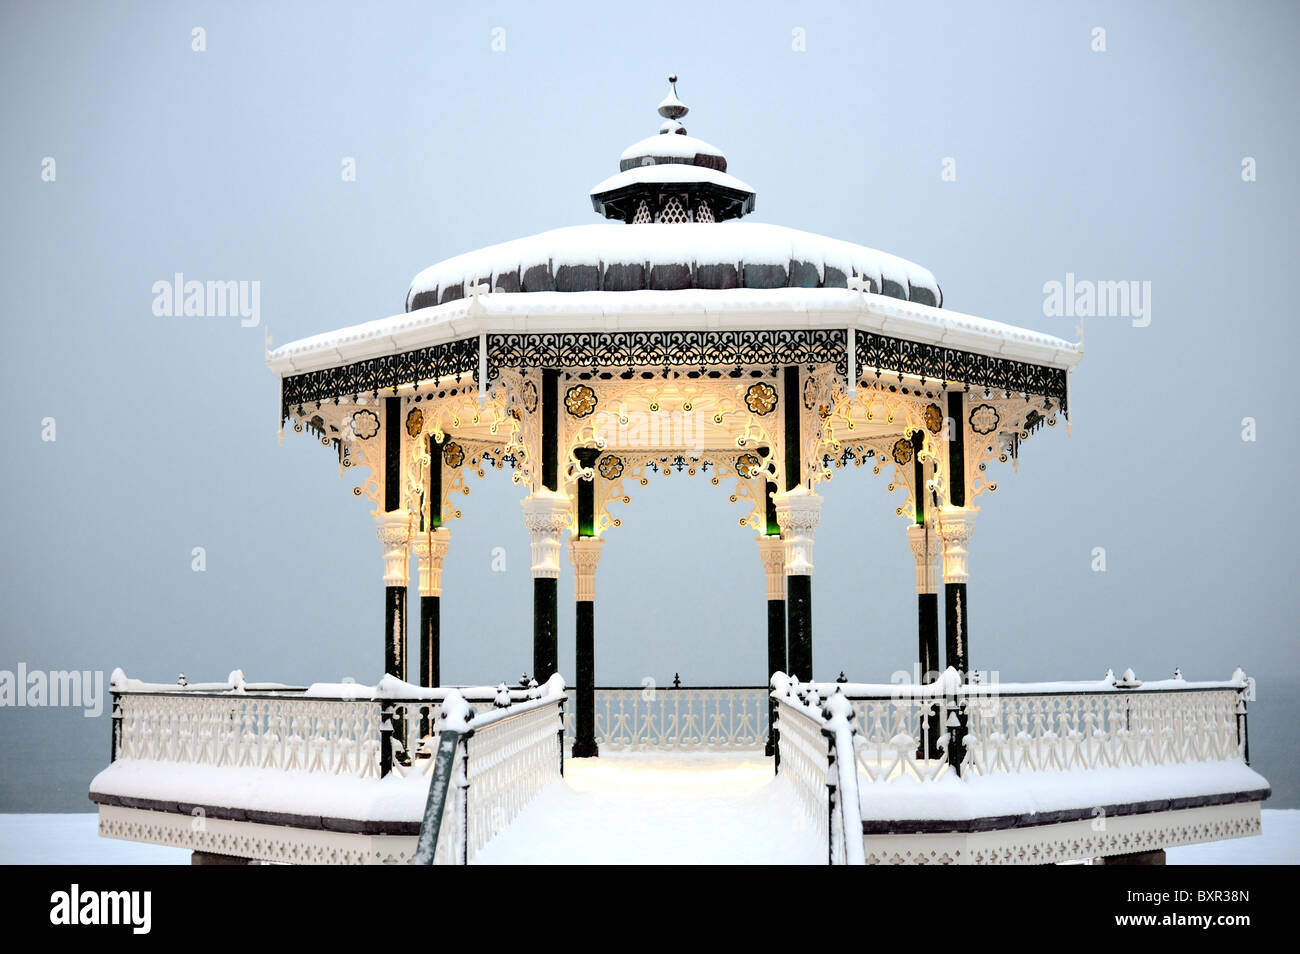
column 672, row 191
column 673, row 285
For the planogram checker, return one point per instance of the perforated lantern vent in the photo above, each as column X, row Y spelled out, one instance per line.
column 704, row 213
column 673, row 212
column 642, row 216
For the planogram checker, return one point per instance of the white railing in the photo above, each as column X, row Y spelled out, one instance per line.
column 901, row 737
column 335, row 729
column 926, row 732
column 1014, row 732
column 501, row 760
column 815, row 754
column 719, row 718
column 332, row 736
column 803, row 755
column 512, row 755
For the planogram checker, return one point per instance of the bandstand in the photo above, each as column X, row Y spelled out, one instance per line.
column 758, row 357
column 678, row 338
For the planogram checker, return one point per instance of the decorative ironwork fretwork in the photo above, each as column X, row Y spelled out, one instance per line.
column 883, row 355
column 453, row 358
column 614, row 350
column 715, row 351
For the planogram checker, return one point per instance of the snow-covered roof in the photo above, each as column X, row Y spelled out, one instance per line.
column 699, row 256
column 669, row 172
column 671, row 146
column 735, row 308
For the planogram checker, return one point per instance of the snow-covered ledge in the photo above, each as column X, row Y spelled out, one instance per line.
column 288, row 775
column 1029, row 773
column 702, row 310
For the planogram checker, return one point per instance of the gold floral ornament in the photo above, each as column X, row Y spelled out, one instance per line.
column 933, row 417
column 415, row 422
column 611, row 467
column 902, row 451
column 760, row 398
column 365, row 424
column 453, row 455
column 748, row 465
column 530, row 397
column 580, row 400
column 984, row 419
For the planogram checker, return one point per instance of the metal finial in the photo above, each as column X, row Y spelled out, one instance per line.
column 671, row 107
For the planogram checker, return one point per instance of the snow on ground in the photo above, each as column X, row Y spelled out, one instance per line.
column 661, row 809
column 624, row 808
column 1023, row 793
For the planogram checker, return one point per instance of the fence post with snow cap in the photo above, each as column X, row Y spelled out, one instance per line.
column 955, row 724
column 842, row 781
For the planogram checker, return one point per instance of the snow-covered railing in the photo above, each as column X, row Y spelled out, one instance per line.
column 487, row 768
column 659, row 718
column 833, row 738
column 336, row 729
column 815, row 753
column 1157, row 724
column 924, row 731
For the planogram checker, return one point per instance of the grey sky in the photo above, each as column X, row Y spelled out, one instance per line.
column 225, row 164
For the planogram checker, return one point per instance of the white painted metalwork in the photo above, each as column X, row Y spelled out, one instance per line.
column 924, row 733
column 1038, row 733
column 805, row 761
column 649, row 719
column 893, row 735
column 510, row 756
column 290, row 733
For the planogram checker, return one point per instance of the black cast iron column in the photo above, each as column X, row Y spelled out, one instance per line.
column 394, row 536
column 771, row 552
column 584, row 552
column 546, row 651
column 798, row 596
column 925, row 546
column 956, row 524
column 431, row 554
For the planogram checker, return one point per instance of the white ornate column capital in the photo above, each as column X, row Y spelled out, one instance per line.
column 926, row 547
column 584, row 554
column 430, row 551
column 798, row 512
column 771, row 551
column 393, row 528
column 956, row 527
column 546, row 515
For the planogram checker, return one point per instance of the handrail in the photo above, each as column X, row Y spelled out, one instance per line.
column 875, row 737
column 439, row 786
column 472, row 753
